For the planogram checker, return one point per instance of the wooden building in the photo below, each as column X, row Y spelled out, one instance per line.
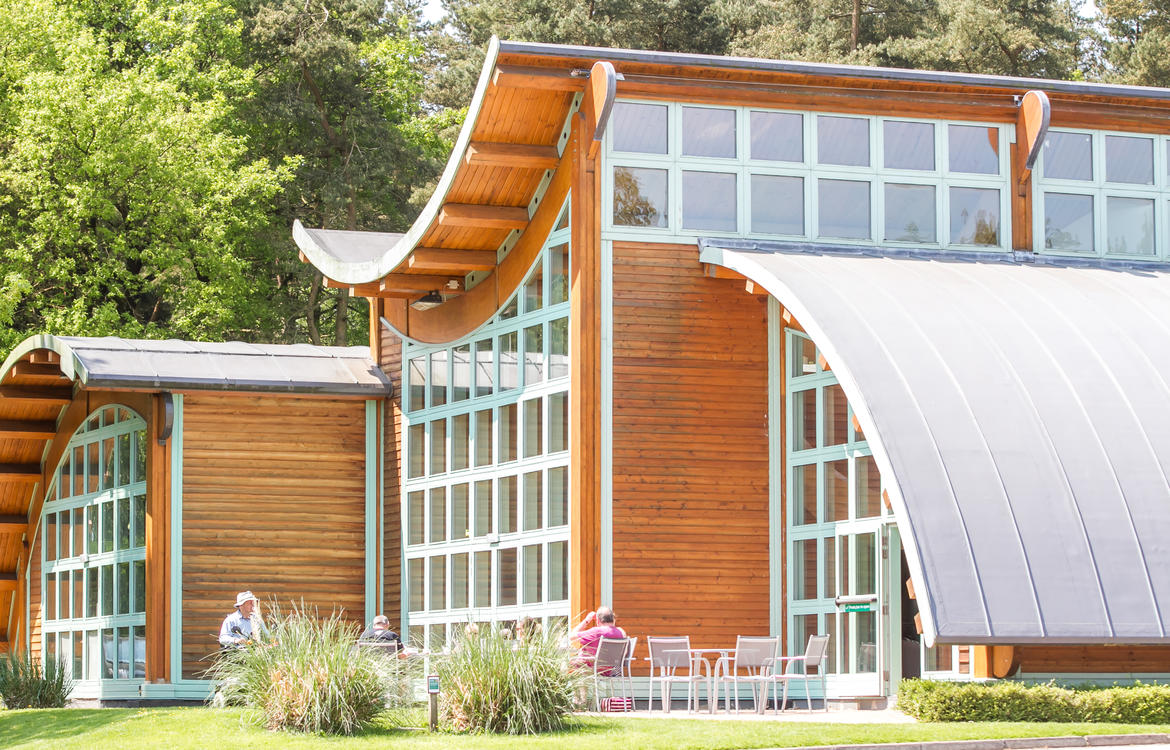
column 735, row 346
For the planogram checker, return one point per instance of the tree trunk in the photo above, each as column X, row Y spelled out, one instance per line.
column 314, row 294
column 342, row 322
column 855, row 37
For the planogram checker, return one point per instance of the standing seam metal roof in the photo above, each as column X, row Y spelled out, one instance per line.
column 1019, row 410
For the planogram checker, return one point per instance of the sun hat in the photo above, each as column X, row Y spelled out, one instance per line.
column 245, row 596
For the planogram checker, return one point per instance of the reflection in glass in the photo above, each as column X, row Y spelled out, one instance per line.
column 709, row 201
column 460, row 441
column 804, row 420
column 974, row 216
column 836, row 416
column 416, row 450
column 777, row 136
column 460, row 512
column 867, row 487
column 51, row 596
column 533, row 428
column 558, row 422
column 438, row 378
column 1068, row 156
column 533, row 501
column 92, row 593
column 866, row 561
column 804, row 493
column 865, row 629
column 558, row 571
column 910, row 213
column 973, row 149
column 1129, row 159
column 124, row 458
column 108, row 655
column 108, row 526
column 51, row 537
column 558, row 272
column 829, row 545
column 415, row 521
column 639, row 128
column 506, row 570
column 844, row 209
column 1130, row 226
column 708, row 132
column 124, row 523
column 438, row 514
column 836, row 490
column 509, row 361
column 533, row 354
column 483, row 507
column 558, row 496
column 484, row 367
column 777, row 204
column 438, row 446
column 139, row 520
column 459, row 580
column 438, row 597
column 461, row 372
column 483, row 579
column 507, row 512
column 639, row 197
column 804, row 573
column 416, row 574
column 418, row 383
column 511, row 308
column 803, row 627
column 93, row 468
column 66, row 536
column 507, row 433
column 558, row 348
column 804, row 357
column 1068, row 222
column 483, row 437
column 843, row 140
column 123, row 588
column 533, row 568
column 139, row 651
column 908, row 145
column 534, row 289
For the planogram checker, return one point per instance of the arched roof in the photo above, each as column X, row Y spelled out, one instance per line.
column 1019, row 410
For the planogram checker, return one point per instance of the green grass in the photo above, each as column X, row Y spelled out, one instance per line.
column 155, row 728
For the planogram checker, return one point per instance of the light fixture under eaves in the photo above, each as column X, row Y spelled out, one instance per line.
column 427, row 301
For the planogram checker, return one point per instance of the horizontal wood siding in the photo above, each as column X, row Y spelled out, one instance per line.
column 273, row 501
column 391, row 363
column 690, row 449
column 1113, row 659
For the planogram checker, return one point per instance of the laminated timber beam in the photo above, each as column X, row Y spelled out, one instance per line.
column 483, row 217
column 7, row 582
column 443, row 259
column 35, row 369
column 20, row 473
column 546, row 79
column 512, row 155
column 44, row 356
column 13, row 524
column 37, row 396
column 17, row 429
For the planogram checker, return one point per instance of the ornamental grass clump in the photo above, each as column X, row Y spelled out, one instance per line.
column 24, row 683
column 309, row 675
column 494, row 683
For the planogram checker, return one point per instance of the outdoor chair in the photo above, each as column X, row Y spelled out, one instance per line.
column 751, row 663
column 667, row 657
column 630, row 658
column 609, row 664
column 815, row 654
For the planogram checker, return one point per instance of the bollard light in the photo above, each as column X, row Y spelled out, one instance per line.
column 433, row 695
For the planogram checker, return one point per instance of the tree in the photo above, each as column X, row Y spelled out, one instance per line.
column 125, row 207
column 1137, row 49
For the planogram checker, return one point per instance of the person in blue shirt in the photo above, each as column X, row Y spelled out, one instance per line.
column 244, row 625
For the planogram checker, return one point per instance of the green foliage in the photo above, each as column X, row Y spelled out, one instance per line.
column 24, row 683
column 492, row 683
column 312, row 677
column 1005, row 700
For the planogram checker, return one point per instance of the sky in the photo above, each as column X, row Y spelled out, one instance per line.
column 433, row 10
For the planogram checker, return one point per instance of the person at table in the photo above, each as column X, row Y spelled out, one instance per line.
column 380, row 632
column 595, row 626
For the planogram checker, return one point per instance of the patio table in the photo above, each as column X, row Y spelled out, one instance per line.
column 697, row 654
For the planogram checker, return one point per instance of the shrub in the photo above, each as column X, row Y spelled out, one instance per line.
column 929, row 700
column 492, row 683
column 24, row 683
column 311, row 676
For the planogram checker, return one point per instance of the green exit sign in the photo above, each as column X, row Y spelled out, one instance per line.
column 862, row 607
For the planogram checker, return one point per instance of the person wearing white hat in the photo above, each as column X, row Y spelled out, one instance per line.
column 239, row 627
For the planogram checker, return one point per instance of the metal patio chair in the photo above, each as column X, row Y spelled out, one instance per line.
column 815, row 656
column 609, row 664
column 668, row 656
column 752, row 663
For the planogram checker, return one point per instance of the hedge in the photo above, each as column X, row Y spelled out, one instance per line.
column 931, row 700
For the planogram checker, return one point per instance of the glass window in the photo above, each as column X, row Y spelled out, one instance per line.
column 911, row 212
column 558, row 422
column 1068, row 156
column 1130, row 225
column 438, row 378
column 460, row 441
column 805, row 570
column 123, row 595
column 532, row 574
column 460, row 512
column 836, row 491
column 533, row 501
column 416, row 440
column 708, row 132
column 777, row 204
column 640, row 128
column 438, row 597
column 1129, row 160
column 558, row 496
column 533, row 354
column 51, row 537
column 485, row 367
column 483, row 578
column 483, row 437
column 558, row 272
column 843, row 140
column 709, row 201
column 507, row 514
column 416, row 574
column 804, row 420
column 804, row 357
column 108, row 526
column 804, row 494
column 461, row 372
column 908, row 145
column 507, row 433
column 836, row 416
column 534, row 290
column 1068, row 222
column 511, row 308
column 124, row 523
column 415, row 517
column 66, row 536
column 438, row 498
column 418, row 383
column 506, row 564
column 867, row 487
column 139, row 521
column 974, row 216
column 509, row 361
column 483, row 507
column 558, row 348
column 460, row 580
column 438, row 446
column 777, row 136
column 844, row 209
column 558, row 571
column 639, row 197
column 533, row 428
column 973, row 149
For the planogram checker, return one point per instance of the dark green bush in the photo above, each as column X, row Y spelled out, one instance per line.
column 930, row 700
column 24, row 683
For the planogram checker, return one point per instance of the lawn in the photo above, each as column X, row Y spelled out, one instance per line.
column 153, row 728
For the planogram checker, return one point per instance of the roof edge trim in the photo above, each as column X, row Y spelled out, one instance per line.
column 71, row 366
column 362, row 273
column 711, row 253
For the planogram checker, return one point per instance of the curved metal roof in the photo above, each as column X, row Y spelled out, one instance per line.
column 140, row 364
column 1021, row 407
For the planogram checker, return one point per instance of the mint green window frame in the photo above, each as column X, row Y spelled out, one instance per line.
column 941, row 178
column 534, row 544
column 846, row 534
column 1100, row 189
column 98, row 645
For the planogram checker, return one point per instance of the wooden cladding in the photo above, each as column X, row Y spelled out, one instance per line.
column 273, row 501
column 390, row 360
column 513, row 155
column 690, row 449
column 1119, row 659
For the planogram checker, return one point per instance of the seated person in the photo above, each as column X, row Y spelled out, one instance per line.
column 604, row 626
column 244, row 625
column 380, row 632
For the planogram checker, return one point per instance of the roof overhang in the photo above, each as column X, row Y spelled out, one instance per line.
column 1019, row 410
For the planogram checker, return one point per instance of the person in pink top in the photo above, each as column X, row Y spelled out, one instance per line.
column 603, row 626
